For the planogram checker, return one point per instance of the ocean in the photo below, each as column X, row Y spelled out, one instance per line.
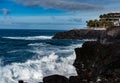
column 31, row 55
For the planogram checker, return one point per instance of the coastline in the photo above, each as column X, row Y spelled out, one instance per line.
column 81, row 34
column 96, row 61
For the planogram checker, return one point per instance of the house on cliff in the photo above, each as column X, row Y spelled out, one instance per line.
column 113, row 17
column 105, row 21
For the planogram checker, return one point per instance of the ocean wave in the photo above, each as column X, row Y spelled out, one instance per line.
column 40, row 48
column 47, row 60
column 37, row 44
column 35, row 70
column 29, row 38
column 89, row 40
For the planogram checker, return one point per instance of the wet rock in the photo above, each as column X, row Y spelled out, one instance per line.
column 55, row 79
column 74, row 79
column 20, row 81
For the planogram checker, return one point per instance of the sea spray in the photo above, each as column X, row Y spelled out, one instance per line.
column 37, row 69
column 32, row 57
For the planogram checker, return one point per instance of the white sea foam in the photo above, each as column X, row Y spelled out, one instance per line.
column 47, row 63
column 13, row 51
column 37, row 44
column 30, row 37
column 37, row 69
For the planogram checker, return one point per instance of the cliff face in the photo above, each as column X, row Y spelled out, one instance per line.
column 80, row 34
column 97, row 61
column 112, row 36
column 100, row 59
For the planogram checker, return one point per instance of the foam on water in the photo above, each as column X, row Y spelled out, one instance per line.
column 37, row 69
column 30, row 37
column 37, row 44
column 48, row 62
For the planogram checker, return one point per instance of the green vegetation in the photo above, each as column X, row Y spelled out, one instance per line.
column 93, row 23
column 105, row 16
column 100, row 23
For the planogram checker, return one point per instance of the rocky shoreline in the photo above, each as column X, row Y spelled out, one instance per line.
column 96, row 61
column 80, row 34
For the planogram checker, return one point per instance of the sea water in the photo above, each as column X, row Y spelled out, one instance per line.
column 31, row 55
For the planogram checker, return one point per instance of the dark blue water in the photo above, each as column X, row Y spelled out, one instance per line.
column 32, row 54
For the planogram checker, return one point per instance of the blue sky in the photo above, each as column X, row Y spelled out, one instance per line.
column 52, row 14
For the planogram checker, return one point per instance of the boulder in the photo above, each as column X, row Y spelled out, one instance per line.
column 20, row 81
column 55, row 79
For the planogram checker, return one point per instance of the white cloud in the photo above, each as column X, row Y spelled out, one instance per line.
column 5, row 11
column 59, row 4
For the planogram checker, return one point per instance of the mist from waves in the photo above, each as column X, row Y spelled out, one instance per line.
column 49, row 58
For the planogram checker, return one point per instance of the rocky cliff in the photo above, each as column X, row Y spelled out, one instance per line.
column 80, row 34
column 100, row 59
column 97, row 61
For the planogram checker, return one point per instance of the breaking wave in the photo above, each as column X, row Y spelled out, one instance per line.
column 30, row 38
column 33, row 60
column 33, row 70
column 37, row 69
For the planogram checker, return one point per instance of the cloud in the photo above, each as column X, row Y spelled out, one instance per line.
column 5, row 11
column 59, row 4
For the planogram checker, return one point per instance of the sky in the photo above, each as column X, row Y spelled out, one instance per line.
column 52, row 14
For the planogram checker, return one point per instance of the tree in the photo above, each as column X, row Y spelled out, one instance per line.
column 101, row 16
column 108, row 24
column 103, row 22
column 97, row 23
column 93, row 23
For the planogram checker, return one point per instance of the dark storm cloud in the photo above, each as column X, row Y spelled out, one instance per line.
column 59, row 4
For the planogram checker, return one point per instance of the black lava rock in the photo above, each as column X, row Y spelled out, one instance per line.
column 55, row 79
column 94, row 59
column 80, row 34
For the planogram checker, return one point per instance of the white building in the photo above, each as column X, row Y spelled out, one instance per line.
column 113, row 17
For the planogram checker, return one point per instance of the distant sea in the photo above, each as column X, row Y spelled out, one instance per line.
column 31, row 55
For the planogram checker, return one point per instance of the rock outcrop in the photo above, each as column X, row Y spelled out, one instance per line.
column 20, row 81
column 112, row 36
column 100, row 59
column 96, row 61
column 55, row 79
column 80, row 34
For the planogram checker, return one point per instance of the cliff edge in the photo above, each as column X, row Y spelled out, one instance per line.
column 80, row 34
column 100, row 59
column 96, row 61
